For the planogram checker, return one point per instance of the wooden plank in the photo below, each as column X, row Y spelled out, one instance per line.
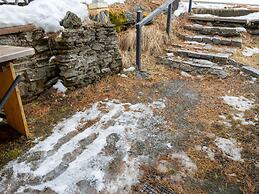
column 8, row 53
column 16, row 29
column 13, row 108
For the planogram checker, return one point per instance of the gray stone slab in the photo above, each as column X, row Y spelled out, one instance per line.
column 251, row 70
column 200, row 55
column 195, row 65
column 216, row 30
column 218, row 19
column 237, row 42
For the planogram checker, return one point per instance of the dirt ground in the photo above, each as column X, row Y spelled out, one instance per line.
column 183, row 152
column 193, row 106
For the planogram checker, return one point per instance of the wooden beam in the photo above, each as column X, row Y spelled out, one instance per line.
column 9, row 53
column 16, row 29
column 13, row 108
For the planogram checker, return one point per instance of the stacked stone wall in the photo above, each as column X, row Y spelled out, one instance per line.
column 77, row 56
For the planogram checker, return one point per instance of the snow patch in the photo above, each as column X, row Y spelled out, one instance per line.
column 109, row 117
column 229, row 148
column 159, row 104
column 52, row 59
column 225, row 121
column 239, row 103
column 60, row 87
column 186, row 162
column 46, row 14
column 169, row 145
column 240, row 117
column 249, row 52
column 130, row 69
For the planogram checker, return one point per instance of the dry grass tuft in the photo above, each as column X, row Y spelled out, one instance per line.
column 154, row 41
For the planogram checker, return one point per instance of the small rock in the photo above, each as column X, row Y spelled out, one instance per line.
column 130, row 69
column 71, row 21
column 123, row 75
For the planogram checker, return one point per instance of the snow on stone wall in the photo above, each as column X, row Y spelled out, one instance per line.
column 46, row 14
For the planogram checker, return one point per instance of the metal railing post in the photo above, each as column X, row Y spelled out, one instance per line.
column 190, row 6
column 169, row 17
column 138, row 40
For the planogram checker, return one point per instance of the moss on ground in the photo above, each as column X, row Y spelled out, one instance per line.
column 118, row 19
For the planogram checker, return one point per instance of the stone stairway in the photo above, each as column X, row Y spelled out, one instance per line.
column 207, row 44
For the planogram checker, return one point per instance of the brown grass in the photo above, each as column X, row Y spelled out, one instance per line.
column 154, row 41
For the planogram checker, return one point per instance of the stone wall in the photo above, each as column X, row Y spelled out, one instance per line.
column 77, row 56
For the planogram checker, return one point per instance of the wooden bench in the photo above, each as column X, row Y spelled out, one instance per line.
column 10, row 99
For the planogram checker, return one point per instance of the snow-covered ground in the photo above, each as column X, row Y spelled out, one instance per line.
column 84, row 147
column 46, row 14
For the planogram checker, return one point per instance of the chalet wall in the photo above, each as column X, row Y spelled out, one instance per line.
column 78, row 57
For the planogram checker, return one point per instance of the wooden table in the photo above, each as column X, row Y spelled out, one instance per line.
column 13, row 107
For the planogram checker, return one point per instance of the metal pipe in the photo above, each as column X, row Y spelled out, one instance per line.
column 162, row 8
column 169, row 17
column 138, row 40
column 190, row 6
column 9, row 92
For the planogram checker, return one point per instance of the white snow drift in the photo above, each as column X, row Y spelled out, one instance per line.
column 46, row 14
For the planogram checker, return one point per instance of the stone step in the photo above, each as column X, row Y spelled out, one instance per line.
column 208, row 47
column 212, row 18
column 226, row 12
column 203, row 47
column 245, row 68
column 199, row 66
column 214, row 30
column 215, row 57
column 251, row 71
column 236, row 42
